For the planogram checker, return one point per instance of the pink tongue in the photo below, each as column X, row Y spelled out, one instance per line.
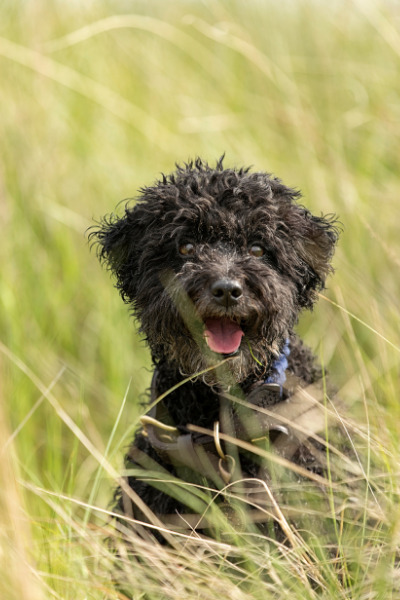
column 223, row 335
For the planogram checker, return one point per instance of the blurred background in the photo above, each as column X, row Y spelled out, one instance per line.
column 99, row 98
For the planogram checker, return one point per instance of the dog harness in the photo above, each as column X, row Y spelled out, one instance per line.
column 287, row 425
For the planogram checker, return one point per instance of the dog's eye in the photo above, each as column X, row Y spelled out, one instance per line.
column 186, row 249
column 256, row 250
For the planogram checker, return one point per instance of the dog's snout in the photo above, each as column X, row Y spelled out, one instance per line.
column 226, row 291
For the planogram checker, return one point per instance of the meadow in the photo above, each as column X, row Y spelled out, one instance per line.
column 99, row 98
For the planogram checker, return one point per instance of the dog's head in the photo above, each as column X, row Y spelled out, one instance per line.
column 219, row 260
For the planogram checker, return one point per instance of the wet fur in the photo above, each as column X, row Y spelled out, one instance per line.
column 222, row 212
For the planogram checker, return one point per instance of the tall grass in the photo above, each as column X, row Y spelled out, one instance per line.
column 96, row 100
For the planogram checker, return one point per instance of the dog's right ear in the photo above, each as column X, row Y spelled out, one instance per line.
column 117, row 242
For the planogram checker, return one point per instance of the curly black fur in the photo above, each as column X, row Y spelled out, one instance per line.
column 184, row 235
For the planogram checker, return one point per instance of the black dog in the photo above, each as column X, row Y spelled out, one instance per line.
column 216, row 264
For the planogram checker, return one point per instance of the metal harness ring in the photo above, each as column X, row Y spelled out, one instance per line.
column 217, row 441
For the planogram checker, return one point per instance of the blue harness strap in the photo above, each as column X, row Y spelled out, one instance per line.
column 279, row 366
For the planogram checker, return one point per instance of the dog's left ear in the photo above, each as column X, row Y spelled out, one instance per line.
column 314, row 239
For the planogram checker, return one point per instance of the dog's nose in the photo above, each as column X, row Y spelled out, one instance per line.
column 226, row 291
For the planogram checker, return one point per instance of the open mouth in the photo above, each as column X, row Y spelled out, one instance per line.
column 223, row 335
